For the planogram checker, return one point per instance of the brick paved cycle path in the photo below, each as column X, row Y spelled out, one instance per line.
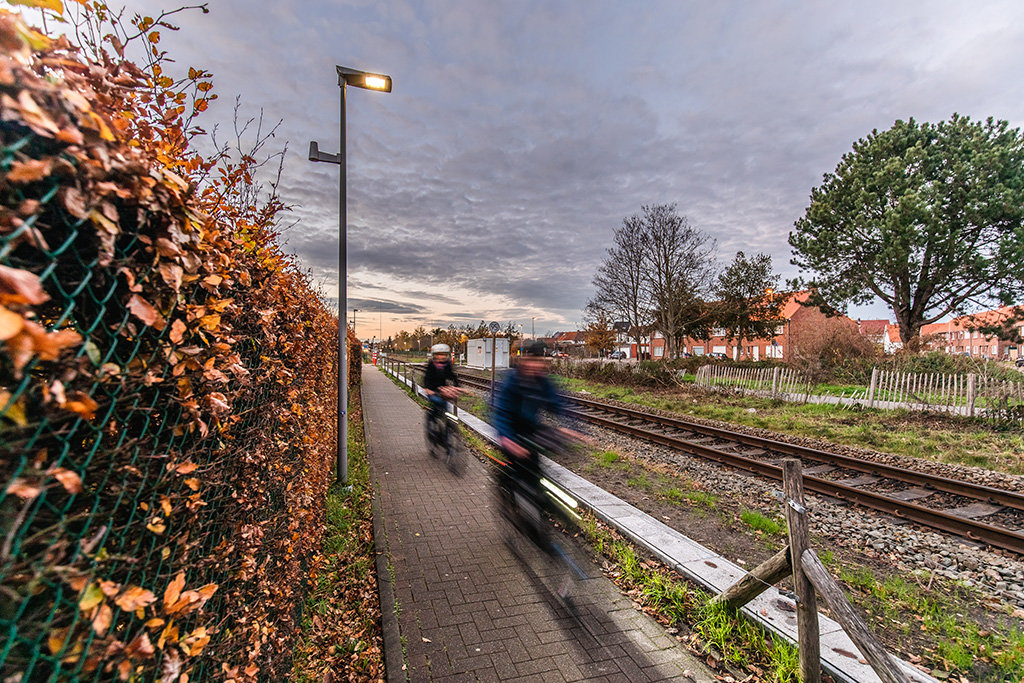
column 459, row 605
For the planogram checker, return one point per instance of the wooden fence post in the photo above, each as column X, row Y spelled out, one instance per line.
column 971, row 392
column 880, row 660
column 871, row 390
column 808, row 638
column 775, row 380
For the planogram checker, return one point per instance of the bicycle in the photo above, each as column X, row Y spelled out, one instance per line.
column 442, row 437
column 527, row 501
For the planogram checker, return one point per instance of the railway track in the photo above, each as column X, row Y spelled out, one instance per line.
column 954, row 506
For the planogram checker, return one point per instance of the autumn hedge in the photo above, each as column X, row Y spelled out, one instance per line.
column 165, row 377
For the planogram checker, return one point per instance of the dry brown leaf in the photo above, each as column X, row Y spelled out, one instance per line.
column 29, row 171
column 144, row 311
column 101, row 622
column 71, row 482
column 82, row 404
column 20, row 287
column 178, row 329
column 24, row 489
column 174, row 590
column 134, row 597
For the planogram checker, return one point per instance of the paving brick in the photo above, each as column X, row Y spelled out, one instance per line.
column 488, row 614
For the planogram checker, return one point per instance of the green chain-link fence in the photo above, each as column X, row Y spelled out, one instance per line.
column 122, row 534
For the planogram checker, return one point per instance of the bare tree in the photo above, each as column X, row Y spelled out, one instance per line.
column 621, row 281
column 680, row 267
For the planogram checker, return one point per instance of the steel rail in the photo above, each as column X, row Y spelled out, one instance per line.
column 932, row 481
column 979, row 531
column 1006, row 539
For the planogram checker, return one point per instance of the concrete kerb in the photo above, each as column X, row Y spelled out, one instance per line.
column 772, row 611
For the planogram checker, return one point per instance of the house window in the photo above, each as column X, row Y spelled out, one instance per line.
column 718, row 332
column 698, row 350
column 659, row 351
column 780, row 329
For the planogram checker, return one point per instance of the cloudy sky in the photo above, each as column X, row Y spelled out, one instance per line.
column 487, row 185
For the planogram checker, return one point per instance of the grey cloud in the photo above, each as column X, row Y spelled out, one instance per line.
column 519, row 134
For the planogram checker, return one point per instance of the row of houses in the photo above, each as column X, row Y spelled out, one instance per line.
column 956, row 335
column 799, row 322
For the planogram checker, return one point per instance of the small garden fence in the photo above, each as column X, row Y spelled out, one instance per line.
column 967, row 394
column 774, row 381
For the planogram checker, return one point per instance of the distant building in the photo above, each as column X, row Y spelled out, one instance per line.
column 796, row 321
column 955, row 336
column 881, row 332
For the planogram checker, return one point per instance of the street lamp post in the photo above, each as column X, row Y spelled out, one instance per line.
column 533, row 329
column 370, row 81
column 354, row 311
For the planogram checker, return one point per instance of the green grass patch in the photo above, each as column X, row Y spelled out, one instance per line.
column 766, row 525
column 703, row 499
column 993, row 651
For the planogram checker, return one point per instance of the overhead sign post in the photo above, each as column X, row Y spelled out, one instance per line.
column 493, row 327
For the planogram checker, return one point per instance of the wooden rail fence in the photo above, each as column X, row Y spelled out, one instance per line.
column 811, row 580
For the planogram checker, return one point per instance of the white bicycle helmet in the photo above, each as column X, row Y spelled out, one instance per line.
column 440, row 348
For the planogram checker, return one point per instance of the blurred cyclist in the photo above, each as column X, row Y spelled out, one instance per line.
column 439, row 381
column 523, row 396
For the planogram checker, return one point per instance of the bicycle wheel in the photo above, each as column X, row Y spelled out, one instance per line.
column 456, row 453
column 433, row 435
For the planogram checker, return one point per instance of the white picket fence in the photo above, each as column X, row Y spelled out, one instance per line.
column 776, row 381
column 969, row 394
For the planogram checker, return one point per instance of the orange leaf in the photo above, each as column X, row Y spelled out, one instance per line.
column 186, row 468
column 82, row 404
column 178, row 330
column 29, row 171
column 173, row 591
column 23, row 489
column 71, row 482
column 101, row 622
column 10, row 323
column 210, row 322
column 144, row 311
column 54, row 5
column 134, row 598
column 192, row 483
column 20, row 287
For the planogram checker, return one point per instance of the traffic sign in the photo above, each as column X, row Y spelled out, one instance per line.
column 494, row 327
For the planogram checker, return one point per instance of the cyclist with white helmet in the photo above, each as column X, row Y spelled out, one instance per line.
column 439, row 381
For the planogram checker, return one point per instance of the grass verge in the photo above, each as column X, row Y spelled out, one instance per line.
column 728, row 641
column 341, row 632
